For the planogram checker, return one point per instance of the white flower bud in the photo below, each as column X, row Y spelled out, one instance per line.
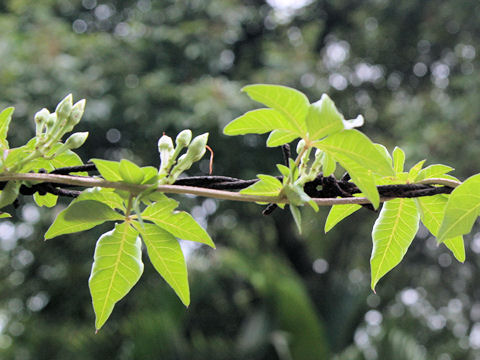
column 76, row 140
column 42, row 116
column 300, row 146
column 65, row 107
column 76, row 113
column 183, row 138
column 197, row 148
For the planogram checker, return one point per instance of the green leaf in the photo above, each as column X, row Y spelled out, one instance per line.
column 384, row 152
column 463, row 208
column 297, row 216
column 15, row 155
column 328, row 164
column 432, row 210
column 47, row 200
column 433, row 171
column 280, row 137
column 267, row 186
column 4, row 215
column 150, row 175
column 110, row 170
column 258, row 121
column 5, row 118
column 289, row 102
column 9, row 193
column 361, row 177
column 285, row 171
column 103, row 195
column 166, row 256
column 354, row 145
column 130, row 172
column 412, row 174
column 116, row 269
column 323, row 119
column 392, row 234
column 79, row 216
column 178, row 223
column 338, row 213
column 398, row 160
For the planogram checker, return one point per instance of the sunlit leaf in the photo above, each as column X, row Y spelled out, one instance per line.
column 178, row 223
column 392, row 234
column 9, row 193
column 116, row 269
column 150, row 175
column 412, row 174
column 267, row 186
column 433, row 171
column 258, row 121
column 355, row 146
column 463, row 208
column 110, row 170
column 280, row 137
column 338, row 213
column 47, row 200
column 103, row 195
column 130, row 172
column 5, row 118
column 432, row 209
column 323, row 119
column 289, row 102
column 4, row 215
column 80, row 216
column 166, row 256
column 328, row 164
column 398, row 160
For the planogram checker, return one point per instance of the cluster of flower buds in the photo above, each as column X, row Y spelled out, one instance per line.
column 170, row 167
column 51, row 127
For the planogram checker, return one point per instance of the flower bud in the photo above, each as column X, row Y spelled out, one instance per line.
column 300, row 146
column 197, row 148
column 41, row 116
column 76, row 113
column 183, row 138
column 51, row 120
column 165, row 148
column 76, row 140
column 64, row 108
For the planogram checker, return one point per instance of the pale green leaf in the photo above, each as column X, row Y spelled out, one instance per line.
column 280, row 137
column 267, row 186
column 4, row 215
column 116, row 269
column 355, row 146
column 463, row 208
column 130, row 172
column 258, row 121
column 166, row 256
column 285, row 171
column 361, row 177
column 392, row 234
column 47, row 200
column 384, row 152
column 433, row 171
column 398, row 160
column 432, row 210
column 15, row 155
column 328, row 164
column 178, row 223
column 110, row 170
column 79, row 216
column 297, row 216
column 338, row 213
column 5, row 118
column 412, row 174
column 9, row 193
column 323, row 119
column 103, row 195
column 150, row 175
column 289, row 102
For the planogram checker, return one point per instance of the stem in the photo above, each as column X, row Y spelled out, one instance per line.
column 439, row 181
column 179, row 189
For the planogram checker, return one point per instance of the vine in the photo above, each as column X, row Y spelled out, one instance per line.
column 134, row 197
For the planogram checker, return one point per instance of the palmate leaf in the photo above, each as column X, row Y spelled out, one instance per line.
column 323, row 119
column 81, row 215
column 338, row 213
column 116, row 269
column 432, row 209
column 178, row 223
column 5, row 118
column 463, row 208
column 392, row 234
column 166, row 256
column 289, row 102
column 354, row 145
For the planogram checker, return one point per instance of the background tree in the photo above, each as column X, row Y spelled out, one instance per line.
column 153, row 67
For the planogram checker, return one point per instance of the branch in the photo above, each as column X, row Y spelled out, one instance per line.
column 410, row 190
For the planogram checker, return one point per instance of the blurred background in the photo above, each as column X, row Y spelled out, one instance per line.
column 148, row 67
